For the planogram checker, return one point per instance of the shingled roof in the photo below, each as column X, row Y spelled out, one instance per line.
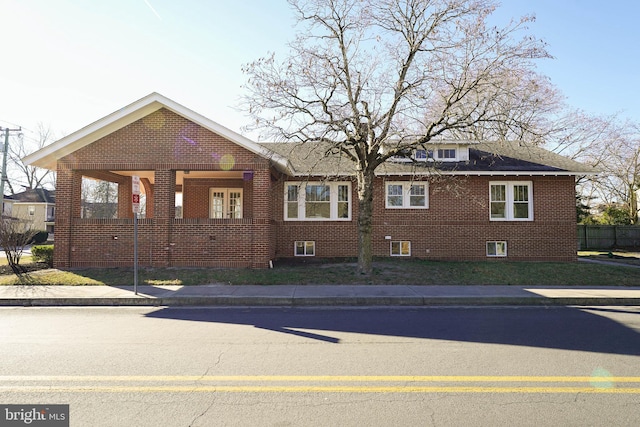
column 35, row 195
column 485, row 158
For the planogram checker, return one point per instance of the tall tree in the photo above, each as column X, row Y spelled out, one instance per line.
column 620, row 181
column 99, row 199
column 25, row 176
column 374, row 78
column 609, row 143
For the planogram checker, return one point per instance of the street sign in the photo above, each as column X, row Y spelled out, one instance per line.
column 135, row 194
column 135, row 204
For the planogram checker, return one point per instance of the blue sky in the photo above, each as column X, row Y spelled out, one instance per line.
column 67, row 63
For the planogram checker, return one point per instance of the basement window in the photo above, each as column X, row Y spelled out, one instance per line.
column 304, row 248
column 497, row 249
column 401, row 248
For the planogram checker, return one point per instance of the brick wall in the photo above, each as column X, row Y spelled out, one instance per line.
column 455, row 226
column 164, row 142
column 195, row 194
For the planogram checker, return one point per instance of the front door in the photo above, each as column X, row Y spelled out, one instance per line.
column 225, row 203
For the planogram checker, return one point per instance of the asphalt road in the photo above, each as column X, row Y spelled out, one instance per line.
column 306, row 367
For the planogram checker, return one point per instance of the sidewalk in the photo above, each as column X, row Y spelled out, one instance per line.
column 307, row 295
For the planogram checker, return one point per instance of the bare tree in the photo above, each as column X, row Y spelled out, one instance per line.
column 620, row 181
column 15, row 234
column 608, row 143
column 373, row 78
column 527, row 110
column 21, row 175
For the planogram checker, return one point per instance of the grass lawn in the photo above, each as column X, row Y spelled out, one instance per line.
column 386, row 272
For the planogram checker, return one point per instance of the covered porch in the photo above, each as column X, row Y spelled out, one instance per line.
column 191, row 218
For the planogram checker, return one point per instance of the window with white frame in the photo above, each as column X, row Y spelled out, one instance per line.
column 31, row 210
column 225, row 203
column 511, row 201
column 406, row 195
column 317, row 201
column 304, row 248
column 447, row 154
column 422, row 155
column 497, row 249
column 401, row 248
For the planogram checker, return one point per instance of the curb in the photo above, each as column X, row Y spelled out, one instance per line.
column 230, row 301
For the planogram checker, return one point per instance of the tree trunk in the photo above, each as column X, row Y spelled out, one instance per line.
column 633, row 205
column 365, row 220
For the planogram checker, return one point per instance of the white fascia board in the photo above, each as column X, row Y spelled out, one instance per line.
column 48, row 156
column 320, row 176
column 489, row 173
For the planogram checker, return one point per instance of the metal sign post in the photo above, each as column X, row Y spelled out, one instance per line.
column 135, row 203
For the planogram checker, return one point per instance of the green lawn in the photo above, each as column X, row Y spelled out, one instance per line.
column 386, row 272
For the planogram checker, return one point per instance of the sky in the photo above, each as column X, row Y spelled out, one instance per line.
column 68, row 63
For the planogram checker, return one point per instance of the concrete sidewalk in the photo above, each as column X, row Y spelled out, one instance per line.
column 303, row 295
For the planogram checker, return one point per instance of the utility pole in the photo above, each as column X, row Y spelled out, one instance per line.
column 5, row 153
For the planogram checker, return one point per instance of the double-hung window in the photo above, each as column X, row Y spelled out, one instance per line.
column 406, row 195
column 511, row 201
column 317, row 201
column 225, row 203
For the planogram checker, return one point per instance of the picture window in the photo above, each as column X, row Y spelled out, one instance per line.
column 317, row 201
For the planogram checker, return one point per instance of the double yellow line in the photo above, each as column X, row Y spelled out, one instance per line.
column 319, row 384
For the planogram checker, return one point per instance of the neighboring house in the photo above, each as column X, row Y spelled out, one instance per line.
column 244, row 204
column 37, row 206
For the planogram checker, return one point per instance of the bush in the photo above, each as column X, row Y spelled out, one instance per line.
column 43, row 253
column 40, row 237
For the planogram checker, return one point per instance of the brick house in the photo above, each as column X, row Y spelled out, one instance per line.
column 244, row 204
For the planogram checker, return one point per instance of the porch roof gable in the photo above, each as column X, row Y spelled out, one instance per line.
column 47, row 157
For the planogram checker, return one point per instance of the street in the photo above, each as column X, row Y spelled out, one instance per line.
column 493, row 366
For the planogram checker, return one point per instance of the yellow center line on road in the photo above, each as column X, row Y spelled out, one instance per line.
column 314, row 384
column 317, row 378
column 313, row 389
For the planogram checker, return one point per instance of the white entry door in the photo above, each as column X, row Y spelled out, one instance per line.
column 225, row 203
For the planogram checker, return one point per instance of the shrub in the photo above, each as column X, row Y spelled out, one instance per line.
column 43, row 253
column 40, row 237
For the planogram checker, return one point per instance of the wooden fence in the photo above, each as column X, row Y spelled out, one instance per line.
column 608, row 236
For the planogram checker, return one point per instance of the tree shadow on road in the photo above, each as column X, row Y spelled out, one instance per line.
column 564, row 328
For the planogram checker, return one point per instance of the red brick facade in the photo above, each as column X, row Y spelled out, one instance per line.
column 164, row 143
column 455, row 226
